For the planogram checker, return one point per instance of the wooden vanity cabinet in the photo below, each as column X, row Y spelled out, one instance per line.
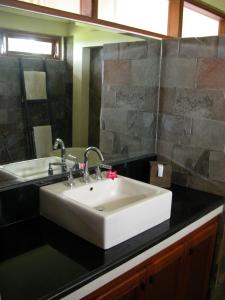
column 130, row 286
column 164, row 275
column 198, row 261
column 180, row 272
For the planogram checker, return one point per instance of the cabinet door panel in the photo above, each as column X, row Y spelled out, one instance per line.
column 130, row 288
column 198, row 263
column 165, row 276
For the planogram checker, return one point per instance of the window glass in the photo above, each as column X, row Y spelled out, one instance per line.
column 196, row 24
column 66, row 5
column 150, row 15
column 29, row 46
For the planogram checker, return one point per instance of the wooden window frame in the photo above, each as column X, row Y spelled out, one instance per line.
column 55, row 41
column 89, row 14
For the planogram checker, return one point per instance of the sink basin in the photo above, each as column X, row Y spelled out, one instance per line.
column 106, row 212
column 33, row 169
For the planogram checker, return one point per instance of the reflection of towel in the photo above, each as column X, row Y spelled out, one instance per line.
column 35, row 85
column 43, row 140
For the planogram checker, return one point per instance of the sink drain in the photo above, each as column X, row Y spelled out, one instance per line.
column 100, row 208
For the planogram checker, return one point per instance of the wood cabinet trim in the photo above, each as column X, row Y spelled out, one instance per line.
column 130, row 279
column 149, row 266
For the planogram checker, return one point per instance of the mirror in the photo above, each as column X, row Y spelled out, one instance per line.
column 103, row 93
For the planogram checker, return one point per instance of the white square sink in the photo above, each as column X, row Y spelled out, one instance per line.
column 106, row 212
column 33, row 168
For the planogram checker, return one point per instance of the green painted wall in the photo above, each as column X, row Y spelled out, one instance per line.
column 86, row 36
column 33, row 23
column 220, row 4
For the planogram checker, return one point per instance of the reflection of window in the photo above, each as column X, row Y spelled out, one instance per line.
column 66, row 5
column 144, row 14
column 197, row 23
column 29, row 44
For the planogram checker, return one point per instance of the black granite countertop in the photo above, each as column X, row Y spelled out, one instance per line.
column 40, row 260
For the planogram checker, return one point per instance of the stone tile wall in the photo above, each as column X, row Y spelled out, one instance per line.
column 191, row 129
column 95, row 89
column 129, row 98
column 13, row 139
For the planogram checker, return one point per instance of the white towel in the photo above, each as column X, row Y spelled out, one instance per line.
column 35, row 85
column 43, row 140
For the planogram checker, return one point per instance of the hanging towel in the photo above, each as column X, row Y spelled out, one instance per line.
column 35, row 85
column 43, row 140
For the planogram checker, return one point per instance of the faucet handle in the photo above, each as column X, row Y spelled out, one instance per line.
column 106, row 167
column 98, row 174
column 70, row 182
column 76, row 163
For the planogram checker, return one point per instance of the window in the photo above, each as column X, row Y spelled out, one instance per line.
column 197, row 23
column 72, row 6
column 29, row 44
column 144, row 14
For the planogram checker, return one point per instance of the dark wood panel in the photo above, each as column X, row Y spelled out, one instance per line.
column 164, row 275
column 130, row 286
column 198, row 263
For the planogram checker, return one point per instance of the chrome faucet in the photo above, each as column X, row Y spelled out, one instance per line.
column 59, row 143
column 86, row 174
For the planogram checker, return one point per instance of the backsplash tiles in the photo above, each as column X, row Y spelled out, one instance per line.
column 129, row 98
column 191, row 129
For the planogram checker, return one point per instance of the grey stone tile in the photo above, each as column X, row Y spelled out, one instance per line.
column 133, row 50
column 207, row 134
column 151, row 99
column 111, row 51
column 145, row 72
column 198, row 47
column 204, row 184
column 127, row 146
column 3, row 116
column 137, row 98
column 170, row 47
column 10, row 76
column 202, row 165
column 187, row 157
column 218, row 109
column 165, row 149
column 171, row 128
column 10, row 92
column 32, row 64
column 56, row 85
column 221, row 46
column 154, row 48
column 167, row 100
column 106, row 141
column 148, row 145
column 9, row 62
column 108, row 98
column 142, row 124
column 116, row 72
column 217, row 166
column 194, row 103
column 55, row 65
column 114, row 120
column 178, row 72
column 179, row 178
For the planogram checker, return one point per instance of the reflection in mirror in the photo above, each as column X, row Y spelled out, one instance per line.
column 99, row 87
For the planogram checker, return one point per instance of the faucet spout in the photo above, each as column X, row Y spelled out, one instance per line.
column 86, row 155
column 59, row 143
